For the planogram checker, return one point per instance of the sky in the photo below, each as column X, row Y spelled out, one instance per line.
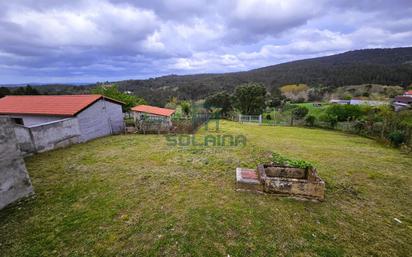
column 53, row 41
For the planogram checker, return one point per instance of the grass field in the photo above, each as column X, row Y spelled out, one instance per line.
column 135, row 195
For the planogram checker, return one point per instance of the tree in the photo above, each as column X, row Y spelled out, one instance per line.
column 249, row 98
column 185, row 105
column 298, row 113
column 172, row 103
column 221, row 100
column 4, row 91
column 27, row 90
column 114, row 93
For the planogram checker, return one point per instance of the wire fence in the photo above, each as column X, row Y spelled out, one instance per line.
column 165, row 125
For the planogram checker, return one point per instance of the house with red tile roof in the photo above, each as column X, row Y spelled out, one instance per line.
column 153, row 110
column 147, row 112
column 92, row 115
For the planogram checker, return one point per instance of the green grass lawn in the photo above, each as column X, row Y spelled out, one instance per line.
column 135, row 195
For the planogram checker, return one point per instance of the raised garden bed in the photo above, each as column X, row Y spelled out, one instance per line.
column 282, row 180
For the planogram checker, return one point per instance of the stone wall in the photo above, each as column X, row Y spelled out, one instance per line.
column 14, row 179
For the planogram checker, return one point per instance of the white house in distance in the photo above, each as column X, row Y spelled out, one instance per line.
column 142, row 112
column 357, row 102
column 91, row 116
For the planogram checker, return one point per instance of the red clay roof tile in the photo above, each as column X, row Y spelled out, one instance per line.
column 59, row 105
column 153, row 110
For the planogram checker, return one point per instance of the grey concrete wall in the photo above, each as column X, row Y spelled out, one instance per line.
column 47, row 136
column 24, row 139
column 100, row 119
column 14, row 179
column 115, row 114
column 55, row 134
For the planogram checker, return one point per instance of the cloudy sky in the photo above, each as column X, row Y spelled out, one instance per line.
column 91, row 40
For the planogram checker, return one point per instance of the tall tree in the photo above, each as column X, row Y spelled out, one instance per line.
column 221, row 100
column 250, row 98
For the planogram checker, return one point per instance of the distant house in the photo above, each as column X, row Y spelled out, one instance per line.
column 144, row 112
column 91, row 116
column 367, row 102
column 338, row 101
column 402, row 102
column 358, row 102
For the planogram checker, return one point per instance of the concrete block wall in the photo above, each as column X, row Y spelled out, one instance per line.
column 47, row 136
column 55, row 134
column 100, row 119
column 14, row 179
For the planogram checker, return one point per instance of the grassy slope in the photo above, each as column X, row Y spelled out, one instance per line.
column 135, row 195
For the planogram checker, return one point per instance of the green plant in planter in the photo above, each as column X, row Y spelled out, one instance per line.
column 284, row 161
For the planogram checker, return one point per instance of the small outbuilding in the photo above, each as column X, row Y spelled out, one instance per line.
column 147, row 112
column 91, row 116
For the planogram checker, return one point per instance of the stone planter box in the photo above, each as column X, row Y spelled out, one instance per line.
column 281, row 180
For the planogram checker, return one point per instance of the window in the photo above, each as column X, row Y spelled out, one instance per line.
column 18, row 121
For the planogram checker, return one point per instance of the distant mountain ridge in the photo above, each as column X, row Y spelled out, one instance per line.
column 376, row 66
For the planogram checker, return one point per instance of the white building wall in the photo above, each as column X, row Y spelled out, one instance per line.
column 115, row 114
column 100, row 119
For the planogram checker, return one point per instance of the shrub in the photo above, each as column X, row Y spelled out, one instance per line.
column 331, row 119
column 300, row 112
column 397, row 137
column 310, row 120
column 268, row 117
column 346, row 112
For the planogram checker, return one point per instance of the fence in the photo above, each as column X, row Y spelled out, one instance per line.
column 250, row 118
column 161, row 125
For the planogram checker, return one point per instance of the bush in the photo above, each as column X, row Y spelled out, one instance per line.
column 346, row 112
column 397, row 138
column 310, row 120
column 268, row 117
column 331, row 119
column 300, row 112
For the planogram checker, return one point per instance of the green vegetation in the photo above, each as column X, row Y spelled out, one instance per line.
column 185, row 107
column 134, row 195
column 27, row 90
column 367, row 91
column 113, row 92
column 282, row 160
column 221, row 100
column 250, row 98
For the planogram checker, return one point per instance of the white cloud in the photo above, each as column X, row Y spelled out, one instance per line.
column 89, row 39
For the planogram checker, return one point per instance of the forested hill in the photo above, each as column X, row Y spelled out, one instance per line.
column 377, row 66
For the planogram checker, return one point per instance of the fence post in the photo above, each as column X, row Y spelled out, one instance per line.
column 260, row 119
column 240, row 117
